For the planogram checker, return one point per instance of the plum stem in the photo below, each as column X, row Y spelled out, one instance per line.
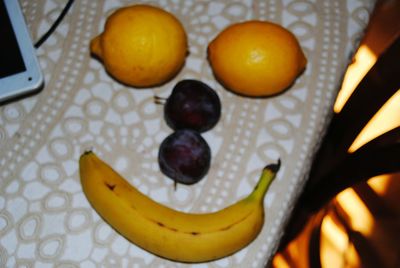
column 159, row 100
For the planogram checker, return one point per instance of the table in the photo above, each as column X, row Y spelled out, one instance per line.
column 45, row 218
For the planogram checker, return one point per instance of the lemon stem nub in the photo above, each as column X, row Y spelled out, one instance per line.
column 95, row 46
column 267, row 176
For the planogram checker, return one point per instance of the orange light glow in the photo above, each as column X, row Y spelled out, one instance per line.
column 280, row 261
column 337, row 236
column 380, row 183
column 336, row 248
column 336, row 251
column 387, row 118
column 364, row 59
column 361, row 219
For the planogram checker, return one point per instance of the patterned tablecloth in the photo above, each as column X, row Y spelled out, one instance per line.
column 45, row 218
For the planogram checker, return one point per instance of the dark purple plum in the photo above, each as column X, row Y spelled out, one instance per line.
column 184, row 156
column 192, row 105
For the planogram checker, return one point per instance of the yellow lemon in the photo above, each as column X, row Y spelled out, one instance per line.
column 141, row 45
column 256, row 58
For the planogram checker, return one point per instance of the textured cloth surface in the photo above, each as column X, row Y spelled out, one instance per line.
column 45, row 218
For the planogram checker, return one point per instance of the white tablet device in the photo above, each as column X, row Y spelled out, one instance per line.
column 19, row 68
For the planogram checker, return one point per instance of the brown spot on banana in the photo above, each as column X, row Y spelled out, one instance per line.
column 163, row 226
column 235, row 223
column 110, row 186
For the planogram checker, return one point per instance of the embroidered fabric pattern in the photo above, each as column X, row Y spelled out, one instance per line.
column 44, row 216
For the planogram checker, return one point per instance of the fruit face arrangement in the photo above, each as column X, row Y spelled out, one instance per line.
column 145, row 46
column 192, row 107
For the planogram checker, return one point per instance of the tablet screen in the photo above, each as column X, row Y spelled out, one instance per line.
column 10, row 54
column 20, row 72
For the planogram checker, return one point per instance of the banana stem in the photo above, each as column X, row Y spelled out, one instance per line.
column 267, row 176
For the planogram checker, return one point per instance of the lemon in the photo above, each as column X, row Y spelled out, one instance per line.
column 256, row 58
column 141, row 45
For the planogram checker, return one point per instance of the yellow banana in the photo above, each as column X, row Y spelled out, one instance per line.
column 172, row 234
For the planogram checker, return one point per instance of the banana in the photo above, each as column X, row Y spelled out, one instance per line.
column 168, row 233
